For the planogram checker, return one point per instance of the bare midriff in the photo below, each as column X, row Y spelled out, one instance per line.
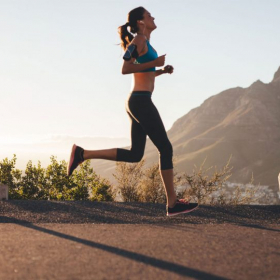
column 144, row 81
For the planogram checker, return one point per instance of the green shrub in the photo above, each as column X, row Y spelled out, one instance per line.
column 10, row 176
column 53, row 183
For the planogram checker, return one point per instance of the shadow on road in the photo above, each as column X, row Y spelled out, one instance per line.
column 164, row 265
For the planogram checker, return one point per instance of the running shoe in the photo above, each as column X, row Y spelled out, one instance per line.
column 181, row 206
column 76, row 158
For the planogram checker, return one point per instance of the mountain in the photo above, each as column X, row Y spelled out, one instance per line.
column 242, row 122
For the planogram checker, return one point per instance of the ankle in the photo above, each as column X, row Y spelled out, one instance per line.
column 172, row 204
column 85, row 155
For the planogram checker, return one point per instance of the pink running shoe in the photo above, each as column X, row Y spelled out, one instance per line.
column 76, row 158
column 181, row 206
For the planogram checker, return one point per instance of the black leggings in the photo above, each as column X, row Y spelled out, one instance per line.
column 145, row 120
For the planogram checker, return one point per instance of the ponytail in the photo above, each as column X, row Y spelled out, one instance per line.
column 133, row 16
column 126, row 37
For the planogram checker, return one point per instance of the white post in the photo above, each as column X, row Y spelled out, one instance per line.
column 279, row 185
column 4, row 190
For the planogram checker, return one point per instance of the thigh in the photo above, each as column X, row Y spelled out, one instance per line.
column 137, row 134
column 149, row 118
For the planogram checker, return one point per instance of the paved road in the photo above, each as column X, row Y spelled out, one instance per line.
column 89, row 240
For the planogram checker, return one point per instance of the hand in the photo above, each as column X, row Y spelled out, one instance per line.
column 168, row 69
column 160, row 60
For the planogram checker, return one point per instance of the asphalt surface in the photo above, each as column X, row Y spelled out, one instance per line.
column 113, row 240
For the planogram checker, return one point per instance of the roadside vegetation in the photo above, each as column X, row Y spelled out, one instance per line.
column 52, row 183
column 134, row 183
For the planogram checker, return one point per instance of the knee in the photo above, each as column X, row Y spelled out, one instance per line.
column 170, row 149
column 136, row 156
column 166, row 155
column 167, row 149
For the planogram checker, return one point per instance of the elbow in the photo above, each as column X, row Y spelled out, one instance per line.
column 125, row 71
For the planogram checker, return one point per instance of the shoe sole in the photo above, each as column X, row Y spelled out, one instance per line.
column 184, row 212
column 72, row 156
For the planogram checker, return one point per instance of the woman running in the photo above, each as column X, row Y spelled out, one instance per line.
column 140, row 58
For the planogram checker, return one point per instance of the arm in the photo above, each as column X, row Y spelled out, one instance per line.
column 167, row 69
column 129, row 66
column 159, row 72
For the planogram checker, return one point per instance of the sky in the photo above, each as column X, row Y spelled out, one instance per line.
column 60, row 62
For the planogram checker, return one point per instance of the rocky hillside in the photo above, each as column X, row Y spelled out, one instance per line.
column 242, row 122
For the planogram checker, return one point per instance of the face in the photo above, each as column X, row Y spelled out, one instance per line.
column 149, row 21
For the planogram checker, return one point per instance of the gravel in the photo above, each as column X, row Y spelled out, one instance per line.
column 83, row 212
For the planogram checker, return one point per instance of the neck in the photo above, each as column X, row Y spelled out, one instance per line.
column 146, row 33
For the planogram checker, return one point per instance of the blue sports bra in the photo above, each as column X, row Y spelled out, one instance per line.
column 150, row 55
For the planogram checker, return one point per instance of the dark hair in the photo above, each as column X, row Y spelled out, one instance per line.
column 132, row 17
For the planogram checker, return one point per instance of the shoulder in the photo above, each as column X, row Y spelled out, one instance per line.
column 139, row 40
